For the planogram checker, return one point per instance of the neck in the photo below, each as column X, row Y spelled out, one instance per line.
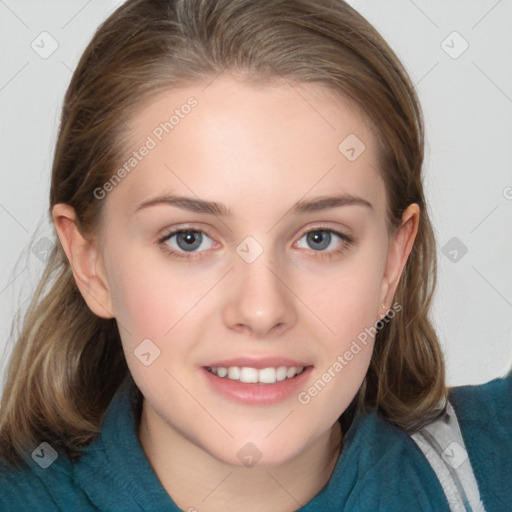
column 196, row 480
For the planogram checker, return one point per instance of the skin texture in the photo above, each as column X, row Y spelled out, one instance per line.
column 257, row 150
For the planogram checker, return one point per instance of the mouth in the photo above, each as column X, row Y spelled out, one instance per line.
column 257, row 383
column 250, row 375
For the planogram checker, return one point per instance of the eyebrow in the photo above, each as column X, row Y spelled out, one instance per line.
column 214, row 208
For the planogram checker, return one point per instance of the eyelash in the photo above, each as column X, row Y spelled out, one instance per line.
column 346, row 243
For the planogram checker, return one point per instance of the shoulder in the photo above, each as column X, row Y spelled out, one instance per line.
column 22, row 490
column 485, row 408
column 33, row 487
column 381, row 468
column 484, row 413
column 494, row 397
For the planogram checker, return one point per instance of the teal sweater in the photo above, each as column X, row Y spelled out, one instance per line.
column 380, row 468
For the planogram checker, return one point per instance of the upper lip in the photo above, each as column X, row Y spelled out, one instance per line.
column 258, row 362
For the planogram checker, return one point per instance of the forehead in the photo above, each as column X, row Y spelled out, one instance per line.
column 250, row 145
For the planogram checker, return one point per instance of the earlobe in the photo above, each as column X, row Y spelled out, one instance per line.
column 85, row 261
column 399, row 250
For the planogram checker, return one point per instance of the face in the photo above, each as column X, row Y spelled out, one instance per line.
column 268, row 277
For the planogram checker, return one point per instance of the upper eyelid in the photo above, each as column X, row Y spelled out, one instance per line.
column 168, row 233
column 190, row 227
column 344, row 232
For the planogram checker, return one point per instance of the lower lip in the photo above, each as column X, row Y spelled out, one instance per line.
column 257, row 394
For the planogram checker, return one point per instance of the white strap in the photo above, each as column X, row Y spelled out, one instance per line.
column 442, row 444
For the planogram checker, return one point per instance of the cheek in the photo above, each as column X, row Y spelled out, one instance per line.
column 152, row 296
column 347, row 305
column 147, row 305
column 139, row 297
column 144, row 303
column 346, row 300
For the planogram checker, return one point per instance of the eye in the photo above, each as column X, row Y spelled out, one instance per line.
column 188, row 243
column 182, row 241
column 320, row 239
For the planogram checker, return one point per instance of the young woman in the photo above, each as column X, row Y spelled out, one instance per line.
column 237, row 314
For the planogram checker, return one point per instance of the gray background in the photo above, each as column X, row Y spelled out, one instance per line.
column 466, row 95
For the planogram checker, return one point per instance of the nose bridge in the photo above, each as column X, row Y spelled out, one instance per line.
column 259, row 300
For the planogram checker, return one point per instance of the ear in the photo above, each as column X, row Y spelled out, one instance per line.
column 398, row 252
column 85, row 260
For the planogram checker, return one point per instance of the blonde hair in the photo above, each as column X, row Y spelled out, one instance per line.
column 67, row 363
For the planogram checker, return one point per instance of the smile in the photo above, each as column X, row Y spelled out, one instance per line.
column 249, row 375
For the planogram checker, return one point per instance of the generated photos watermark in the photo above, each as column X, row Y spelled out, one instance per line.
column 343, row 360
column 152, row 140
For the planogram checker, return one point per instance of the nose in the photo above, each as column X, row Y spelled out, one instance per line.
column 259, row 300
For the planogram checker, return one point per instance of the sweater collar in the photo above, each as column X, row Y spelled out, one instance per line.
column 116, row 461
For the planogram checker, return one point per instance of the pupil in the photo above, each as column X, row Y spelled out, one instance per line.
column 320, row 239
column 189, row 240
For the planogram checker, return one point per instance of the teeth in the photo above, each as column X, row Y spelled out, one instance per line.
column 234, row 373
column 291, row 372
column 249, row 375
column 253, row 375
column 267, row 376
column 281, row 373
